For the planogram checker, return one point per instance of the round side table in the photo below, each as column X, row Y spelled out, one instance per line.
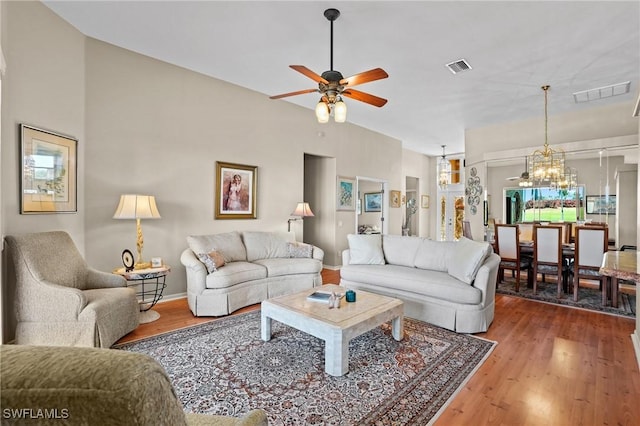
column 149, row 285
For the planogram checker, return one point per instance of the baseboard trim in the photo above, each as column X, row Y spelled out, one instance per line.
column 332, row 268
column 170, row 297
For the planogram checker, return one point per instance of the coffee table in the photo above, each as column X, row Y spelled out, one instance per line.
column 335, row 326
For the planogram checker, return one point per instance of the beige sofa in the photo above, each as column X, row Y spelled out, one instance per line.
column 228, row 271
column 448, row 284
column 45, row 385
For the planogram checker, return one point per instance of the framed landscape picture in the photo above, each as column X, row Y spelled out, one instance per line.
column 346, row 197
column 236, row 191
column 48, row 172
column 601, row 204
column 372, row 202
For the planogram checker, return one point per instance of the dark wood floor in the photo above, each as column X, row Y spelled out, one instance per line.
column 553, row 365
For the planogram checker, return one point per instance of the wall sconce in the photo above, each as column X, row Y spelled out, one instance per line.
column 302, row 210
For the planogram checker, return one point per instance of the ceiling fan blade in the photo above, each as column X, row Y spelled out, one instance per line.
column 312, row 75
column 364, row 77
column 364, row 97
column 299, row 92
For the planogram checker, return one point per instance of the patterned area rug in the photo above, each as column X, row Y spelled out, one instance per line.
column 588, row 298
column 223, row 367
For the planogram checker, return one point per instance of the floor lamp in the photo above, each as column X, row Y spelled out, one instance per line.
column 302, row 210
column 138, row 207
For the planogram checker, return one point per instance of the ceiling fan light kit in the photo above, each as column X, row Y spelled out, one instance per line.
column 333, row 86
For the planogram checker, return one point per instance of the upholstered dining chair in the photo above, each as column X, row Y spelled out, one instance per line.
column 547, row 255
column 592, row 242
column 507, row 244
column 61, row 301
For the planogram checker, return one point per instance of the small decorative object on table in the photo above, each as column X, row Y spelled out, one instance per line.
column 127, row 260
column 351, row 296
column 156, row 262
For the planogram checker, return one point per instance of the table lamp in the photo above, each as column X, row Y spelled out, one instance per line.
column 138, row 207
column 302, row 210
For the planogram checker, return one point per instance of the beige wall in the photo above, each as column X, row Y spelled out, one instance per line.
column 148, row 127
column 44, row 87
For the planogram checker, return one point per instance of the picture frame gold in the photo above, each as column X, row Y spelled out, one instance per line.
column 48, row 172
column 395, row 198
column 236, row 191
column 424, row 201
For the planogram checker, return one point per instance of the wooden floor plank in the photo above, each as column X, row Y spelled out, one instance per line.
column 553, row 365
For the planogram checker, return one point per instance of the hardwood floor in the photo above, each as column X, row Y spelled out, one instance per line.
column 553, row 365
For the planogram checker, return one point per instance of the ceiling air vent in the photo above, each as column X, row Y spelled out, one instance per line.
column 602, row 92
column 458, row 66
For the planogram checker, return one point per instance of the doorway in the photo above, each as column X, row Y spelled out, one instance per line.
column 450, row 215
column 371, row 206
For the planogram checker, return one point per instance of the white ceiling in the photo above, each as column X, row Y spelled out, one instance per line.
column 514, row 48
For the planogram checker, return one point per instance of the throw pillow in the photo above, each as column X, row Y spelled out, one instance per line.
column 229, row 244
column 212, row 260
column 466, row 259
column 365, row 249
column 300, row 250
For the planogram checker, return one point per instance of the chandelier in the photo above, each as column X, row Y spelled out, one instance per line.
column 546, row 166
column 568, row 180
column 444, row 171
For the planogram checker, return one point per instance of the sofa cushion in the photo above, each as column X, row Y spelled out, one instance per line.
column 234, row 273
column 228, row 243
column 280, row 267
column 433, row 255
column 466, row 258
column 212, row 260
column 365, row 249
column 422, row 282
column 400, row 250
column 300, row 250
column 266, row 245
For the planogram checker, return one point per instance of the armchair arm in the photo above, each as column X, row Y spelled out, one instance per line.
column 50, row 301
column 99, row 279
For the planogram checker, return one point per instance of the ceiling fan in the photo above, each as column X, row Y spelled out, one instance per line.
column 332, row 85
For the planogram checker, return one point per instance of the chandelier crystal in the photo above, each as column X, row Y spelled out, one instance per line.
column 444, row 171
column 546, row 166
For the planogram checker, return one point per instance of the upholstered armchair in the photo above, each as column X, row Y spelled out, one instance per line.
column 62, row 301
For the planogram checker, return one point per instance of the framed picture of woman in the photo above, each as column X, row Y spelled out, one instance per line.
column 236, row 191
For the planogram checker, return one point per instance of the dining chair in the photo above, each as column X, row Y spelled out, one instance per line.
column 547, row 255
column 526, row 231
column 507, row 243
column 592, row 242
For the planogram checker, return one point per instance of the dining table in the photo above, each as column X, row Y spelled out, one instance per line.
column 619, row 265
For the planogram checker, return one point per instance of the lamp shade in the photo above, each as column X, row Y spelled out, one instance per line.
column 340, row 111
column 302, row 210
column 322, row 112
column 137, row 207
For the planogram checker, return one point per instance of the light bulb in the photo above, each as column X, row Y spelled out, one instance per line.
column 340, row 111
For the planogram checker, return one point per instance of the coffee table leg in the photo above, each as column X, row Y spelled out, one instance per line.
column 265, row 327
column 336, row 355
column 397, row 327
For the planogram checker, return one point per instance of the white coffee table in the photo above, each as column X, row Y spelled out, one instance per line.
column 335, row 326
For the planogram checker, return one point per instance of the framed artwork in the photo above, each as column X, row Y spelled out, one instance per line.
column 395, row 198
column 346, row 197
column 48, row 172
column 236, row 191
column 372, row 202
column 601, row 204
column 424, row 201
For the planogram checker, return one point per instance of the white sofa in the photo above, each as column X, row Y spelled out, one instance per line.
column 256, row 266
column 448, row 284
